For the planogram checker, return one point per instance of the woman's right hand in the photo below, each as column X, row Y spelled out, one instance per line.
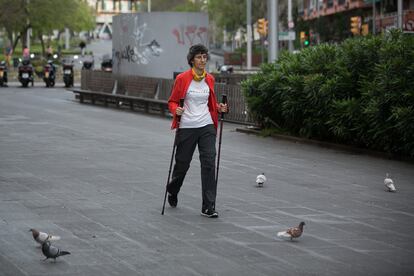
column 179, row 111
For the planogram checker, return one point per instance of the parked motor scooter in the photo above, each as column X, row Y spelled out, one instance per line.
column 3, row 74
column 226, row 69
column 26, row 72
column 106, row 64
column 49, row 74
column 68, row 74
column 87, row 63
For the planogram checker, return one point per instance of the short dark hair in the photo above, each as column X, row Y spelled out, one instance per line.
column 195, row 50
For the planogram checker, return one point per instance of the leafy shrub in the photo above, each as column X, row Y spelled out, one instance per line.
column 360, row 92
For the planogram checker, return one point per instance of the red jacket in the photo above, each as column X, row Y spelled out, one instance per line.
column 181, row 84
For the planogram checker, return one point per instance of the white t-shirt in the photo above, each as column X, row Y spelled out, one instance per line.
column 196, row 113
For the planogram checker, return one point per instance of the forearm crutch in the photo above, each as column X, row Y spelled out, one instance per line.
column 172, row 156
column 224, row 101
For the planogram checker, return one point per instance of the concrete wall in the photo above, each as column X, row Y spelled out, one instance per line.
column 155, row 44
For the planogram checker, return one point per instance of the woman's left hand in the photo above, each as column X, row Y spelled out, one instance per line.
column 223, row 108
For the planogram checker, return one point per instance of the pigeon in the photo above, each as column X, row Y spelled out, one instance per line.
column 293, row 232
column 260, row 180
column 389, row 183
column 41, row 237
column 51, row 251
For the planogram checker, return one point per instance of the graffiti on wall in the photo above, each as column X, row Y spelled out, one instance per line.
column 139, row 51
column 190, row 34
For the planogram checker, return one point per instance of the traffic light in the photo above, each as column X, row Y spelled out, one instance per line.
column 364, row 29
column 262, row 26
column 304, row 39
column 356, row 25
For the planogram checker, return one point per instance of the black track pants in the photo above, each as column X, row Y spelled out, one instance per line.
column 187, row 140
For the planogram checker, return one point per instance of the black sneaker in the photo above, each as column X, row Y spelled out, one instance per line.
column 172, row 200
column 210, row 213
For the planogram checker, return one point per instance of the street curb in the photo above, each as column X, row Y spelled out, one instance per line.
column 329, row 145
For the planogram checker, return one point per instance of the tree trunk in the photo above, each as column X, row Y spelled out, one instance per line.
column 42, row 43
column 23, row 38
column 13, row 43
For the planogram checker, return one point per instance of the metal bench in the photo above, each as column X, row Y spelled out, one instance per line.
column 139, row 94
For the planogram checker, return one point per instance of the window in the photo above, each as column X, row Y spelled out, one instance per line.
column 300, row 6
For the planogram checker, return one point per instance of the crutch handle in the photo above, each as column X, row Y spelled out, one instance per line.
column 181, row 105
column 224, row 99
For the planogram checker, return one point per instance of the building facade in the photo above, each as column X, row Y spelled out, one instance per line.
column 106, row 9
column 385, row 12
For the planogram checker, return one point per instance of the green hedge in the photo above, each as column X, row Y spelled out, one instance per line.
column 360, row 92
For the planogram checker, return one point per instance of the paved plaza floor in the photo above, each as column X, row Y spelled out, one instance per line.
column 96, row 176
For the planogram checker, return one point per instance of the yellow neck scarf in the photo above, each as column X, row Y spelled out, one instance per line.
column 197, row 77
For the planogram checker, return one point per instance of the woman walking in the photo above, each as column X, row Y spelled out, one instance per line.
column 197, row 128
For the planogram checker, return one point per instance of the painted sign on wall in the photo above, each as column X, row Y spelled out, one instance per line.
column 156, row 44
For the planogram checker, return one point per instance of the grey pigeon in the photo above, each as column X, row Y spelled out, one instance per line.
column 41, row 237
column 260, row 180
column 389, row 183
column 51, row 251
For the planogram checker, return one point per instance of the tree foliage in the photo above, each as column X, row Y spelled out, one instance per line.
column 44, row 16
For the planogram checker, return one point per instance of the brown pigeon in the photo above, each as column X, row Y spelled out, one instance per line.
column 41, row 237
column 293, row 232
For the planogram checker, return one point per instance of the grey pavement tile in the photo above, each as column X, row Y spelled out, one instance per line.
column 299, row 211
column 324, row 219
column 101, row 190
column 59, row 214
column 393, row 239
column 8, row 268
column 13, row 186
column 218, row 265
column 232, row 251
column 113, row 269
column 279, row 218
column 360, row 262
column 223, row 227
column 401, row 259
column 308, row 242
column 277, row 248
column 275, row 204
column 408, row 244
column 246, row 237
column 189, row 232
column 92, row 257
column 251, row 220
column 275, row 214
column 366, row 244
column 277, row 267
column 9, row 196
column 361, row 229
column 308, row 264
